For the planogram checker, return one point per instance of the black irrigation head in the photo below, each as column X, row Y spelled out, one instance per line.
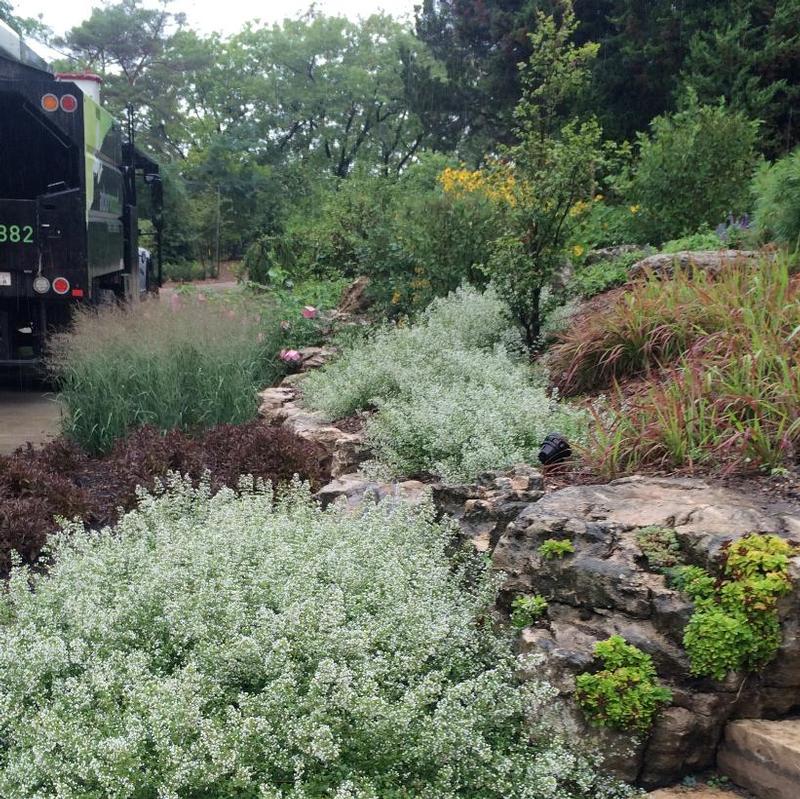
column 555, row 448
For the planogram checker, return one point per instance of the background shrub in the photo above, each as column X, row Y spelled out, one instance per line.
column 694, row 169
column 184, row 364
column 452, row 396
column 182, row 271
column 415, row 240
column 589, row 280
column 777, row 207
column 231, row 647
column 702, row 240
column 36, row 486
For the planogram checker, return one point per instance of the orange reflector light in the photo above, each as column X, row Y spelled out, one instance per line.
column 50, row 102
column 77, row 292
column 69, row 103
column 61, row 285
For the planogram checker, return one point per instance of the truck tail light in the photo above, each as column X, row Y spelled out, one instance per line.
column 50, row 102
column 60, row 285
column 69, row 103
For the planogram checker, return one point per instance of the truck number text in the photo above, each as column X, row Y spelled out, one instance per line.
column 15, row 234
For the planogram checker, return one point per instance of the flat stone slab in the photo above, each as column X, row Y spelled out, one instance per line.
column 701, row 792
column 763, row 757
column 687, row 505
column 711, row 261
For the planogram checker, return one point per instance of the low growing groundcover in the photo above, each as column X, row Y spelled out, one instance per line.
column 231, row 646
column 454, row 393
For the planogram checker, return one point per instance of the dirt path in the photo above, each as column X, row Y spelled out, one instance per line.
column 27, row 416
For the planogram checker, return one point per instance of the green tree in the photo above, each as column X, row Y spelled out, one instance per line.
column 7, row 13
column 750, row 56
column 556, row 165
column 481, row 43
column 33, row 27
column 145, row 62
column 332, row 90
column 643, row 46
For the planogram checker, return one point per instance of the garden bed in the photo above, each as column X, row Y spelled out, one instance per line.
column 61, row 480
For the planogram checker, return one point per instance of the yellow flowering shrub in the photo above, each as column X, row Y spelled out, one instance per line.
column 498, row 185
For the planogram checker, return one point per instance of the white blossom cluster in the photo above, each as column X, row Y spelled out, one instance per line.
column 230, row 646
column 453, row 396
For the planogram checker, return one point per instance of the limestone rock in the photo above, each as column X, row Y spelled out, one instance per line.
column 282, row 406
column 763, row 757
column 354, row 489
column 711, row 261
column 604, row 589
column 700, row 792
column 485, row 508
column 611, row 253
column 315, row 357
column 678, row 736
column 354, row 298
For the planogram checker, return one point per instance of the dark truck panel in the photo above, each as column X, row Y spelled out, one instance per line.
column 67, row 206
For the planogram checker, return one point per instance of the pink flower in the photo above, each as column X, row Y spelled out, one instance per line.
column 309, row 312
column 291, row 356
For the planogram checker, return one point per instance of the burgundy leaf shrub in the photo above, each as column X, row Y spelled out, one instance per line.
column 59, row 479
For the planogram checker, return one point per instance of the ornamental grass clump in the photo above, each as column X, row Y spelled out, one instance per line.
column 231, row 646
column 187, row 364
column 722, row 360
column 453, row 394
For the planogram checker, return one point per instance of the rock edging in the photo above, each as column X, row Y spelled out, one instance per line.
column 281, row 406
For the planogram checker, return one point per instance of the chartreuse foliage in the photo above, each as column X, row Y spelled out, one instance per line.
column 229, row 646
column 626, row 694
column 525, row 610
column 556, row 548
column 735, row 624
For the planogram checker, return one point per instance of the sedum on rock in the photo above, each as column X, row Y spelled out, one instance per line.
column 229, row 646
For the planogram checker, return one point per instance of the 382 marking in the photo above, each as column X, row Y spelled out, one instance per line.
column 16, row 234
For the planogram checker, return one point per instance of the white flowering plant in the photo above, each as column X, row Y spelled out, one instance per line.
column 454, row 393
column 233, row 646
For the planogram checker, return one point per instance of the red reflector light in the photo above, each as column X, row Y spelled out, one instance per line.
column 50, row 102
column 69, row 103
column 61, row 285
column 77, row 292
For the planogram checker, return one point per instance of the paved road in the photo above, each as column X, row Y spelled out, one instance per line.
column 27, row 416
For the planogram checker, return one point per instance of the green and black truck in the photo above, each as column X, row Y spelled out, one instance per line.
column 68, row 210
